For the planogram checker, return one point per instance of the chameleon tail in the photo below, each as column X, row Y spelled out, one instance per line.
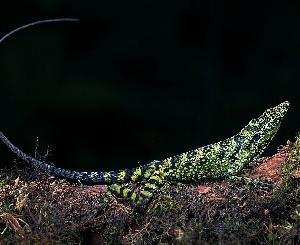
column 85, row 176
column 96, row 177
column 110, row 177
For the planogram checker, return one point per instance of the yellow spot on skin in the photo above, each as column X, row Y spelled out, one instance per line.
column 133, row 196
column 146, row 193
column 152, row 186
column 116, row 188
column 156, row 177
column 121, row 176
column 125, row 192
column 137, row 173
column 107, row 176
column 183, row 157
column 216, row 148
column 198, row 156
column 167, row 163
column 149, row 171
column 140, row 201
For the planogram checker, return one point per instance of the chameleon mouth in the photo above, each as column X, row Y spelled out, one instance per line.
column 273, row 116
column 276, row 114
column 281, row 109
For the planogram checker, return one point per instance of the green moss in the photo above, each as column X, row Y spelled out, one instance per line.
column 285, row 201
column 288, row 189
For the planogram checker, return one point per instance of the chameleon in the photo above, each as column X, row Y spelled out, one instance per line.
column 223, row 159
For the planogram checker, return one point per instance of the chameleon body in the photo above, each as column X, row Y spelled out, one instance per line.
column 222, row 159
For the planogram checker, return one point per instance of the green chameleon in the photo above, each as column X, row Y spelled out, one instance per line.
column 224, row 159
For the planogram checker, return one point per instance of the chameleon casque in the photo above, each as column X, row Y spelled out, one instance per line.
column 224, row 159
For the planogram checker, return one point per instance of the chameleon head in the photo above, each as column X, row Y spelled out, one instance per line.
column 269, row 122
column 260, row 131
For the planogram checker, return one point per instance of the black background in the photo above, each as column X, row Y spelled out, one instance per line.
column 142, row 80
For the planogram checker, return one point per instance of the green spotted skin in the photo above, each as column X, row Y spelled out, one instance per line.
column 222, row 159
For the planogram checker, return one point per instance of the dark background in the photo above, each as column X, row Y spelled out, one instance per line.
column 142, row 80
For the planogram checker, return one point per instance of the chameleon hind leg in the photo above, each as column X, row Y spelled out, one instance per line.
column 153, row 183
column 154, row 177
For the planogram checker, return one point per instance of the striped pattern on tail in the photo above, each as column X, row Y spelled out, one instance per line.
column 111, row 177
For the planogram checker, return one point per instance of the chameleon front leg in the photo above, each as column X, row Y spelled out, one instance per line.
column 249, row 181
column 233, row 177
